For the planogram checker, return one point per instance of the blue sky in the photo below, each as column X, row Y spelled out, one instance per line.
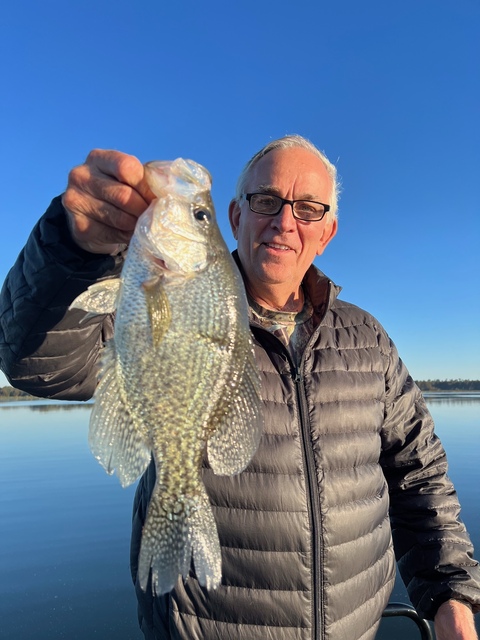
column 390, row 91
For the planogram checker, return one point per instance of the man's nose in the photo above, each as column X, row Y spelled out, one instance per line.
column 285, row 220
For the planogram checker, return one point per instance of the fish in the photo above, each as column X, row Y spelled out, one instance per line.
column 178, row 380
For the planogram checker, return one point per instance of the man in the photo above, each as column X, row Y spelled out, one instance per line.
column 305, row 529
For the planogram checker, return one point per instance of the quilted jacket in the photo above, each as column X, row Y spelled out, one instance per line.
column 349, row 460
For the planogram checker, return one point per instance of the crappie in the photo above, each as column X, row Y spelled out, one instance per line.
column 179, row 376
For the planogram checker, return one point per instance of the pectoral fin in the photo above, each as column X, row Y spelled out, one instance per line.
column 114, row 439
column 239, row 430
column 99, row 298
column 158, row 308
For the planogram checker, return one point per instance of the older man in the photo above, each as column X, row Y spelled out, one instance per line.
column 349, row 455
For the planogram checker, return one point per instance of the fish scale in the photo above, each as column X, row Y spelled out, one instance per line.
column 179, row 378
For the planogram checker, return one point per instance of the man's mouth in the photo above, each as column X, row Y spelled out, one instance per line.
column 279, row 247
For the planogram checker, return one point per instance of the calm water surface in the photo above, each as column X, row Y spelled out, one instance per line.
column 65, row 524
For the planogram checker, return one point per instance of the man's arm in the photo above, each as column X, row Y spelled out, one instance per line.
column 433, row 549
column 46, row 349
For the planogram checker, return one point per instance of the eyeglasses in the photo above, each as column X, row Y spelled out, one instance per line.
column 269, row 205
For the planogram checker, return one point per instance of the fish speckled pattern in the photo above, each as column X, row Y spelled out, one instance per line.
column 179, row 376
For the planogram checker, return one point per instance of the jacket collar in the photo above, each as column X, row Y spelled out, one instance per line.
column 320, row 289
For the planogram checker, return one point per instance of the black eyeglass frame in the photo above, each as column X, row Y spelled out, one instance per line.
column 282, row 203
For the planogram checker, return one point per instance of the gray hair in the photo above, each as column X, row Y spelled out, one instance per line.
column 288, row 142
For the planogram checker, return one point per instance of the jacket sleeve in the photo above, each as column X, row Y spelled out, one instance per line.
column 433, row 549
column 44, row 348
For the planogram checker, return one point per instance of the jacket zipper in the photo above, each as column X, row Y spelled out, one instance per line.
column 315, row 514
column 313, row 506
column 313, row 499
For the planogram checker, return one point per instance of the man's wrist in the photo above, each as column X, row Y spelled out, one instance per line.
column 454, row 621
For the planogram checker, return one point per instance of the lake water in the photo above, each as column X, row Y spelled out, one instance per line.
column 65, row 524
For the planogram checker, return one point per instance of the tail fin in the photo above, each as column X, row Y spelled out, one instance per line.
column 174, row 530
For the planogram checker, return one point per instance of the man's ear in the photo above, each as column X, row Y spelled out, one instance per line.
column 234, row 217
column 329, row 231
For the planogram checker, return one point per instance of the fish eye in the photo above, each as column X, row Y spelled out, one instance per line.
column 202, row 216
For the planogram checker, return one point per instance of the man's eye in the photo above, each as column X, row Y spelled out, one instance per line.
column 266, row 201
column 306, row 207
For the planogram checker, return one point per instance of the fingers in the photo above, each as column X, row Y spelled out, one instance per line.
column 104, row 198
column 103, row 229
column 120, row 167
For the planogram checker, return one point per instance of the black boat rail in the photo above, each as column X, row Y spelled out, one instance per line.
column 395, row 609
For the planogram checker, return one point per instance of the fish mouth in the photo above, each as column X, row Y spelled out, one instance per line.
column 159, row 262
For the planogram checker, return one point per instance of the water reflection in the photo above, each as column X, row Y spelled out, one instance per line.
column 452, row 398
column 46, row 405
column 65, row 543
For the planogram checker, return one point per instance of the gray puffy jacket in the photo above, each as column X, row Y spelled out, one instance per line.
column 348, row 458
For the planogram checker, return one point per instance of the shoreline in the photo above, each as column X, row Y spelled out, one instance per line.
column 6, row 401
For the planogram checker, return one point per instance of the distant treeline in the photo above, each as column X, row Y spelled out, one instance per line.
column 449, row 385
column 10, row 393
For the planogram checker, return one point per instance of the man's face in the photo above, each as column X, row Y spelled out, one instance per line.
column 276, row 251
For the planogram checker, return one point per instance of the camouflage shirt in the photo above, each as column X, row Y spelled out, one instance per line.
column 293, row 329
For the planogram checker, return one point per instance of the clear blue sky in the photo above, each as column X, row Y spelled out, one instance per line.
column 389, row 90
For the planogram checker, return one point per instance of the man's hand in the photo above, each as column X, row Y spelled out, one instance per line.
column 454, row 621
column 103, row 200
